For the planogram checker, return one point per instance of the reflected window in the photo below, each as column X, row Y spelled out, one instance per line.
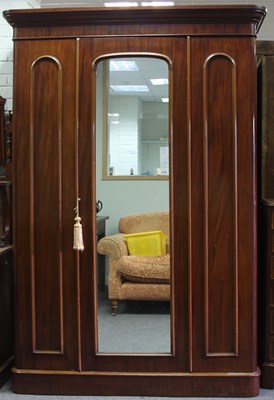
column 135, row 106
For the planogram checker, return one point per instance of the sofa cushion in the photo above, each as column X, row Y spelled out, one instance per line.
column 150, row 269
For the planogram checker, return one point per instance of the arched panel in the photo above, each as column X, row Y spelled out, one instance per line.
column 46, row 201
column 220, row 206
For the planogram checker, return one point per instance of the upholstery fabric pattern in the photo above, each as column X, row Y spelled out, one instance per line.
column 137, row 277
column 145, row 268
column 145, row 291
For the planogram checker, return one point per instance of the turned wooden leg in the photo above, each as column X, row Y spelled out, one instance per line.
column 114, row 306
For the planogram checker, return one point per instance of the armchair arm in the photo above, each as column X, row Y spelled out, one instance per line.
column 113, row 246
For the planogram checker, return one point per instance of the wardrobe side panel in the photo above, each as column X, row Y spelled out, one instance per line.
column 44, row 198
column 224, row 204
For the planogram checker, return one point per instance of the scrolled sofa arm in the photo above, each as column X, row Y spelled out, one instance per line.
column 114, row 246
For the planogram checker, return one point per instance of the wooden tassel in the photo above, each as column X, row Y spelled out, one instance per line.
column 78, row 243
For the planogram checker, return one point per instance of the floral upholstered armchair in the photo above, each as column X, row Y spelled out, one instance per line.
column 133, row 277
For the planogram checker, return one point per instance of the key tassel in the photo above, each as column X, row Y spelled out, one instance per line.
column 78, row 243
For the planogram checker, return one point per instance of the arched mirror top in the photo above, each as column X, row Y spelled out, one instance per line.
column 132, row 54
column 135, row 116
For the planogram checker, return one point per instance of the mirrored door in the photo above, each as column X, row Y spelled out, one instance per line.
column 128, row 110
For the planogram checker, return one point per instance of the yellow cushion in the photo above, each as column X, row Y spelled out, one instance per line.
column 151, row 243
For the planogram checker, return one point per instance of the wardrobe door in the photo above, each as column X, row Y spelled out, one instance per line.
column 44, row 201
column 173, row 53
column 223, row 204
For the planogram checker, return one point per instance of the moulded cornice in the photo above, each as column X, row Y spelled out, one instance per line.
column 222, row 14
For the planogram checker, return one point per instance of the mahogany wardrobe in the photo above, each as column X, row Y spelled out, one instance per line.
column 211, row 59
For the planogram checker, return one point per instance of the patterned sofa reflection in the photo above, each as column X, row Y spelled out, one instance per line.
column 137, row 277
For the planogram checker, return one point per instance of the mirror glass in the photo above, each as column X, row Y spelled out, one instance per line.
column 136, row 118
column 133, row 286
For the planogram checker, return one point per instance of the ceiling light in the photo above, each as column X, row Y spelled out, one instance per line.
column 122, row 4
column 158, row 82
column 130, row 88
column 113, row 115
column 123, row 65
column 157, row 3
column 165, row 99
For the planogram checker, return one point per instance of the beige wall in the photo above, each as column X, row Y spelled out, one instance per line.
column 267, row 29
